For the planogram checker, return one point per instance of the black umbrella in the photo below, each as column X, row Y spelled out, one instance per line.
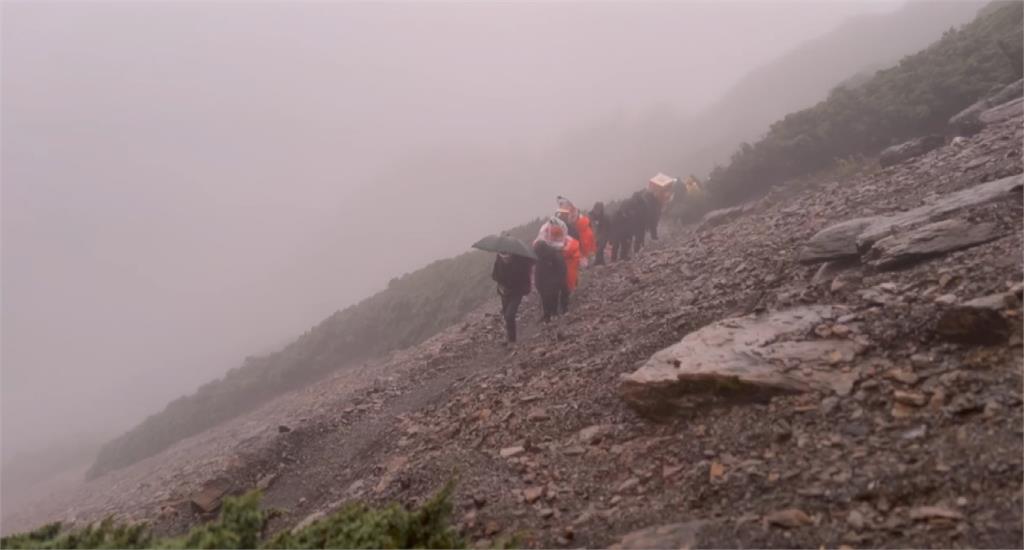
column 506, row 244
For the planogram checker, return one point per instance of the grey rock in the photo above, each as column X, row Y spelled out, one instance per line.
column 849, row 238
column 674, row 535
column 739, row 360
column 910, row 149
column 927, row 241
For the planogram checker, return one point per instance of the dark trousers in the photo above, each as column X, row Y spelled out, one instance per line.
column 602, row 243
column 509, row 309
column 563, row 299
column 549, row 300
column 620, row 248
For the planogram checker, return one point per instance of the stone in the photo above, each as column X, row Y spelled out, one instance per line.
column 723, row 215
column 946, row 299
column 675, row 535
column 509, row 452
column 1007, row 188
column 209, row 497
column 835, row 243
column 491, row 528
column 739, row 360
column 308, row 520
column 716, row 472
column 789, row 518
column 1006, row 111
column 847, row 239
column 928, row 241
column 855, row 520
column 910, row 398
column 283, row 429
column 909, row 149
column 391, row 471
column 829, row 272
column 934, row 512
column 902, row 375
column 979, row 321
column 264, row 482
column 628, row 485
column 532, row 494
column 969, row 121
column 538, row 415
column 593, row 434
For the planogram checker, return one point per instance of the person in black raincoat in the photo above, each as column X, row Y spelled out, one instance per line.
column 550, row 278
column 512, row 273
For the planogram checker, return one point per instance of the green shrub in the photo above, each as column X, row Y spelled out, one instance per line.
column 242, row 522
column 916, row 97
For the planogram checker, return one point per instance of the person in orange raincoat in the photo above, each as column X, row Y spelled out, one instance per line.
column 579, row 222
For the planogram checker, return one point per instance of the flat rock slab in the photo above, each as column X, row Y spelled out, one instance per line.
column 742, row 359
column 927, row 241
column 853, row 237
column 836, row 242
column 723, row 215
column 209, row 497
column 969, row 120
column 674, row 535
column 1003, row 112
column 979, row 321
column 910, row 149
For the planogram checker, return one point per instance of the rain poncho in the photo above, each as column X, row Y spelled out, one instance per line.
column 580, row 226
column 587, row 246
column 554, row 232
column 571, row 251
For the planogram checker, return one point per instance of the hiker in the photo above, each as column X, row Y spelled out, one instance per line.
column 565, row 215
column 579, row 228
column 512, row 273
column 549, row 274
column 647, row 214
column 652, row 202
column 613, row 225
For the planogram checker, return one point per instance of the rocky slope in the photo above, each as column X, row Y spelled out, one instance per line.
column 899, row 422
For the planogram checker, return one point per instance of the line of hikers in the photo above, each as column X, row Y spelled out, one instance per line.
column 571, row 240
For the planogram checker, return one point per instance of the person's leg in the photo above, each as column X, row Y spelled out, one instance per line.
column 510, row 310
column 563, row 300
column 602, row 242
column 547, row 302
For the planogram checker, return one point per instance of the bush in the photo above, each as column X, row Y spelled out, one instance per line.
column 242, row 522
column 916, row 97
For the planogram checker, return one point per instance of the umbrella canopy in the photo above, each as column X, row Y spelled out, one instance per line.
column 505, row 244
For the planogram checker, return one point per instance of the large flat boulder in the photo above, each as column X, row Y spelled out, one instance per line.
column 724, row 215
column 674, row 535
column 979, row 321
column 969, row 120
column 999, row 113
column 927, row 241
column 910, row 149
column 742, row 359
column 851, row 238
column 836, row 242
column 948, row 205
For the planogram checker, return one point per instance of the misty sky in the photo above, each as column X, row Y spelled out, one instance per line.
column 187, row 183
